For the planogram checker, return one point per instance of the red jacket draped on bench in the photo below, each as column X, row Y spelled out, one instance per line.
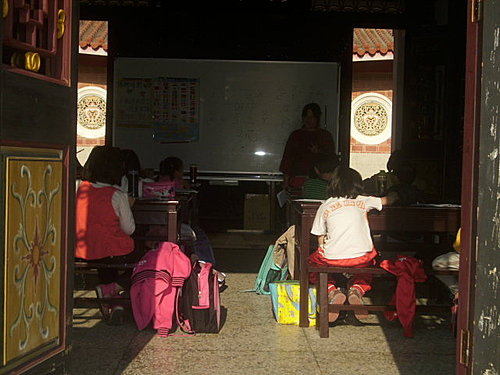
column 408, row 270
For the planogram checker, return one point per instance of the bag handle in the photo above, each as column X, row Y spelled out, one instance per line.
column 181, row 322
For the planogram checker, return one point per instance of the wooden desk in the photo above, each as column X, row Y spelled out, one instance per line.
column 427, row 231
column 422, row 219
column 171, row 213
column 158, row 212
column 430, row 222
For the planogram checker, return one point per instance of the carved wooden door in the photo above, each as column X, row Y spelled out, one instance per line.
column 37, row 142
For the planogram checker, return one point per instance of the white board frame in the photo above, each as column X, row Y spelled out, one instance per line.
column 222, row 147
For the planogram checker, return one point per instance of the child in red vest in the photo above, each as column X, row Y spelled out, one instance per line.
column 344, row 239
column 104, row 223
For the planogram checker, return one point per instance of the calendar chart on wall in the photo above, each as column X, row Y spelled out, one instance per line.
column 223, row 115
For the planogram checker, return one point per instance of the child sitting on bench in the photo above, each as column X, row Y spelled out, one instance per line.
column 104, row 223
column 344, row 239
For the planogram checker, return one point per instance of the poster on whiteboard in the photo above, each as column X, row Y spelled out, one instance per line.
column 176, row 104
column 134, row 105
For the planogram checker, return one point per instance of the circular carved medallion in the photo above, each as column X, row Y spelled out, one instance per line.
column 91, row 109
column 371, row 118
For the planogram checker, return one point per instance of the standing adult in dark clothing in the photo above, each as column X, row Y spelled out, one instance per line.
column 304, row 147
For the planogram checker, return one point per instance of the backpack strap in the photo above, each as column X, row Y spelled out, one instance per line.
column 265, row 266
column 203, row 286
column 183, row 324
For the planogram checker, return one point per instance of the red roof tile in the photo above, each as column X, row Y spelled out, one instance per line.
column 372, row 41
column 94, row 34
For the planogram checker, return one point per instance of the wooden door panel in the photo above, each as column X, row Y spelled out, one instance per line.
column 38, row 82
column 34, row 267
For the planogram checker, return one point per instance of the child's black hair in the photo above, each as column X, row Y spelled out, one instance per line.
column 345, row 183
column 327, row 164
column 104, row 164
column 169, row 166
column 131, row 160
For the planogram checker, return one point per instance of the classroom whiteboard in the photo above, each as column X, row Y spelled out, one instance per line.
column 246, row 109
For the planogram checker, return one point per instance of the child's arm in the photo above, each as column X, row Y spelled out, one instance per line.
column 389, row 198
column 121, row 204
column 131, row 200
column 456, row 244
column 321, row 240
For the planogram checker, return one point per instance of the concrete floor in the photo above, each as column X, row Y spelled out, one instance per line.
column 251, row 342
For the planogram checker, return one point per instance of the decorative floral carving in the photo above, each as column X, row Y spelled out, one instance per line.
column 37, row 260
column 91, row 109
column 92, row 112
column 370, row 119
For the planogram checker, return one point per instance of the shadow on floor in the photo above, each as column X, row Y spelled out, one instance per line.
column 240, row 252
column 252, row 343
column 239, row 260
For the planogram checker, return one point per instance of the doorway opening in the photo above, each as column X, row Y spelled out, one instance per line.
column 371, row 102
column 92, row 87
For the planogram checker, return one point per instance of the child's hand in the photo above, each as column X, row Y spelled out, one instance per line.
column 389, row 199
column 313, row 148
column 131, row 200
column 321, row 241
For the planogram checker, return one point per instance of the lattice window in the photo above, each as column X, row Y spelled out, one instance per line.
column 37, row 38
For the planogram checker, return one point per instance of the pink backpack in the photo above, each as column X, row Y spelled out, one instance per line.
column 156, row 283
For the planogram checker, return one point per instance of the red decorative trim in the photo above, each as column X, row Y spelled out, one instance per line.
column 9, row 68
column 30, row 39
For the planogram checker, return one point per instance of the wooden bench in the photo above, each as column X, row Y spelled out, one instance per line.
column 435, row 224
column 322, row 294
column 83, row 268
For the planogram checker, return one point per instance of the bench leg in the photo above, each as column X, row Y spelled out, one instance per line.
column 322, row 294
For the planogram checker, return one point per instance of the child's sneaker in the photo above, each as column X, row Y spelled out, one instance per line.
column 116, row 316
column 105, row 291
column 355, row 297
column 335, row 297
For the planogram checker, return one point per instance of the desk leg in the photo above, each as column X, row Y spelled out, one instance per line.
column 303, row 237
column 272, row 206
column 195, row 214
column 172, row 223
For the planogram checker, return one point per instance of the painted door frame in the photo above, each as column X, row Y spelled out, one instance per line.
column 469, row 193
